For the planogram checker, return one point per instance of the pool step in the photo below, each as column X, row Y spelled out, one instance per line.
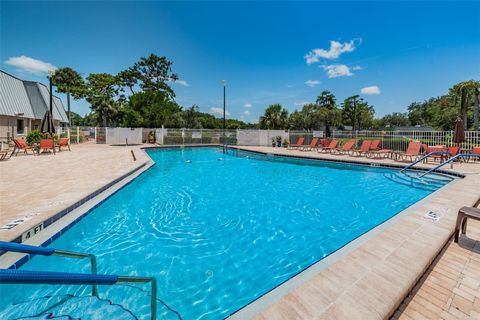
column 426, row 183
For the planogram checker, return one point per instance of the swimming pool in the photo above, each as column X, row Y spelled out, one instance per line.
column 216, row 230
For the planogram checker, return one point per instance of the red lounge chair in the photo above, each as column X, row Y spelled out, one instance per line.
column 311, row 146
column 324, row 142
column 413, row 151
column 296, row 145
column 63, row 142
column 346, row 148
column 21, row 144
column 4, row 154
column 476, row 150
column 363, row 150
column 332, row 146
column 441, row 157
column 453, row 151
column 47, row 145
column 375, row 146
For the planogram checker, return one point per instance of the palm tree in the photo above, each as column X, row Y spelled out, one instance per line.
column 275, row 117
column 465, row 90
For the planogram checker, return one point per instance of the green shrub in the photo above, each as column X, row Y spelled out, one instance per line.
column 34, row 136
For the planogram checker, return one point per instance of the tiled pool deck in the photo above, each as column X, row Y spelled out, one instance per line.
column 38, row 187
column 368, row 282
column 372, row 280
column 450, row 289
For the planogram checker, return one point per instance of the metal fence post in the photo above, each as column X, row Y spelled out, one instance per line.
column 78, row 135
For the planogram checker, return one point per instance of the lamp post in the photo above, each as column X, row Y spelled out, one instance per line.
column 51, row 72
column 224, row 83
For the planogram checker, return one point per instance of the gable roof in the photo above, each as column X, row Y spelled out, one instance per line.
column 28, row 99
column 13, row 97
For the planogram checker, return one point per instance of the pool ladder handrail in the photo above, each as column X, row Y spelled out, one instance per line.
column 423, row 158
column 44, row 251
column 448, row 161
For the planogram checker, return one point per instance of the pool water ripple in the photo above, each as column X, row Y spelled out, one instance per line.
column 218, row 234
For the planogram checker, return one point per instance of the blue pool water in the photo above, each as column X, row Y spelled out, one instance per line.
column 216, row 230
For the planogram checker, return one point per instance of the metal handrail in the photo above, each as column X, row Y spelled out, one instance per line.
column 450, row 160
column 23, row 248
column 9, row 276
column 423, row 158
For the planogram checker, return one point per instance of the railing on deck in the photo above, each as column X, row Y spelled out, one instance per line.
column 9, row 276
column 399, row 140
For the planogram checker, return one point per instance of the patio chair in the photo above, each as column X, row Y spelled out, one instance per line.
column 476, row 150
column 63, row 142
column 296, row 145
column 363, row 150
column 413, row 151
column 441, row 157
column 346, row 148
column 464, row 214
column 332, row 146
column 46, row 145
column 311, row 146
column 21, row 144
column 3, row 154
column 375, row 145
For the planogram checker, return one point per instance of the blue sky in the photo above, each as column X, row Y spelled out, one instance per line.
column 284, row 52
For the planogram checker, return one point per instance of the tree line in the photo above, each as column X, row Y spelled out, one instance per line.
column 354, row 113
column 141, row 96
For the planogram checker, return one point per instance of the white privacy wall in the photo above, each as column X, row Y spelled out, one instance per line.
column 259, row 137
column 121, row 136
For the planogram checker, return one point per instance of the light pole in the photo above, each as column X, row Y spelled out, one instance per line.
column 51, row 72
column 224, row 83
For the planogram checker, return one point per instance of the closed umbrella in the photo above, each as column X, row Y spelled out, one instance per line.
column 47, row 124
column 459, row 132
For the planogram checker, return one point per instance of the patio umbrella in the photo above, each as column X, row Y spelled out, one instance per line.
column 47, row 124
column 459, row 132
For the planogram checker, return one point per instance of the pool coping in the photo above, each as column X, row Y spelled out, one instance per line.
column 279, row 298
column 344, row 161
column 55, row 225
column 74, row 213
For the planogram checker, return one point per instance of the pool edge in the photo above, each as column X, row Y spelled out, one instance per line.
column 270, row 301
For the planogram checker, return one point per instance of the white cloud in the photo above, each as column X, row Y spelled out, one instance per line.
column 183, row 83
column 180, row 82
column 247, row 105
column 335, row 50
column 246, row 112
column 370, row 90
column 357, row 68
column 312, row 83
column 219, row 111
column 24, row 63
column 337, row 70
column 300, row 103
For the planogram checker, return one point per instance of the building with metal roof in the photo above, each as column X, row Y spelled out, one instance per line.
column 23, row 104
